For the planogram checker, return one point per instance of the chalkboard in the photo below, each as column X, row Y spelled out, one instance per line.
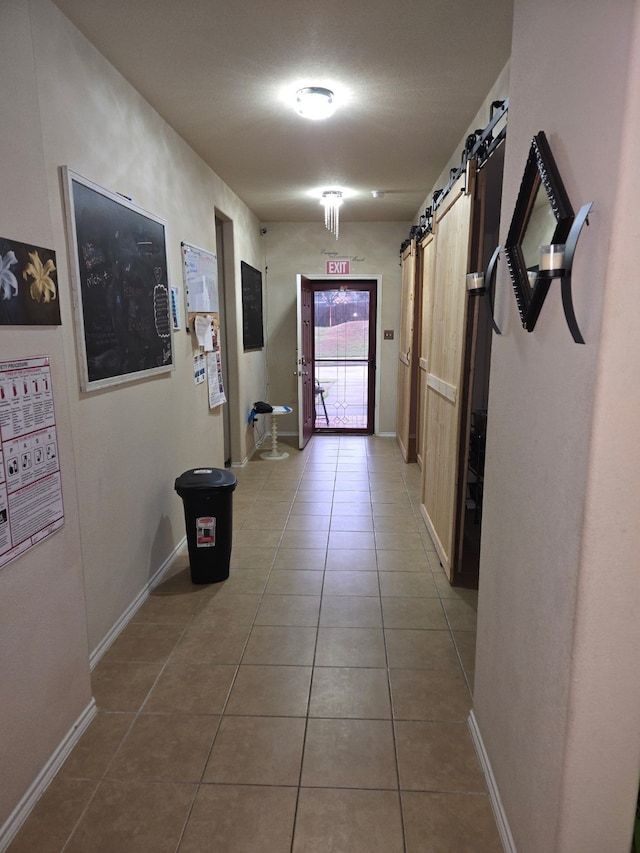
column 121, row 292
column 252, row 333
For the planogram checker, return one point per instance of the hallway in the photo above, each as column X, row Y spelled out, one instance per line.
column 315, row 701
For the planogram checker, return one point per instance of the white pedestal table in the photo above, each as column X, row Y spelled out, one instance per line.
column 274, row 453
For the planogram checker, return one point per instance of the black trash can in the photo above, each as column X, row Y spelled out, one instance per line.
column 207, row 496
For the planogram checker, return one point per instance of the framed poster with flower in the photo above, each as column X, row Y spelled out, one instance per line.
column 28, row 285
column 121, row 293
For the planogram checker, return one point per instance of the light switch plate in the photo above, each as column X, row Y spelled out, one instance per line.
column 388, row 334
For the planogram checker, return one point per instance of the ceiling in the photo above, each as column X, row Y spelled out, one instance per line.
column 408, row 75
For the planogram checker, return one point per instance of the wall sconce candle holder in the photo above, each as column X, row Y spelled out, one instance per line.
column 482, row 283
column 556, row 261
column 475, row 282
column 552, row 260
column 542, row 237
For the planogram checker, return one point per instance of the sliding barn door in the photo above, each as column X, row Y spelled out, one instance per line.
column 427, row 257
column 407, row 365
column 444, row 400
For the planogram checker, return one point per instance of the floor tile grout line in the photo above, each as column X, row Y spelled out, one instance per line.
column 334, row 508
column 393, row 717
column 311, row 684
column 307, row 717
column 223, row 711
column 136, row 715
column 393, row 726
column 306, row 723
column 223, row 716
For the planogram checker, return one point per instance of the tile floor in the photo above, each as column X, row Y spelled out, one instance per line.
column 315, row 701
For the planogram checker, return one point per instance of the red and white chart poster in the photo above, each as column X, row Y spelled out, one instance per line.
column 30, row 483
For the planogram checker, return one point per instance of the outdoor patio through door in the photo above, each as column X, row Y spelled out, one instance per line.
column 344, row 357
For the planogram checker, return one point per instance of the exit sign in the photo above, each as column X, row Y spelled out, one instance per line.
column 338, row 267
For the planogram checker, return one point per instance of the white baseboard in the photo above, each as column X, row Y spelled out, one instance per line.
column 260, row 443
column 494, row 794
column 251, row 453
column 11, row 827
column 437, row 544
column 135, row 605
column 18, row 816
column 241, row 464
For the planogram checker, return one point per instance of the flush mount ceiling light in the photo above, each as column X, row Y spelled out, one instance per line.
column 315, row 102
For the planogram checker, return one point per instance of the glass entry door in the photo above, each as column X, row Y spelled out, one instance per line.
column 344, row 359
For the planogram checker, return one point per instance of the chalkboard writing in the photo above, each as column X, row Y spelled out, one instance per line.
column 252, row 333
column 122, row 296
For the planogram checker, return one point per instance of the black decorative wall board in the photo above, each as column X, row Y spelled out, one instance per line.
column 29, row 293
column 252, row 331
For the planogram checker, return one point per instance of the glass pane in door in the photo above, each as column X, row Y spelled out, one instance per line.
column 341, row 361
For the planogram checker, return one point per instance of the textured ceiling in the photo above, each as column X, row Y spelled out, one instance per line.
column 409, row 74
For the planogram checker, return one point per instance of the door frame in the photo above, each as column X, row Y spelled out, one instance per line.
column 409, row 352
column 304, row 385
column 333, row 280
column 225, row 254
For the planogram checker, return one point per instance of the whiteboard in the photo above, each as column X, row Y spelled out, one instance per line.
column 200, row 273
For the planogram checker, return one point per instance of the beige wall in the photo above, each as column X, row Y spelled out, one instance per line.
column 44, row 671
column 498, row 92
column 556, row 695
column 290, row 248
column 120, row 449
column 136, row 438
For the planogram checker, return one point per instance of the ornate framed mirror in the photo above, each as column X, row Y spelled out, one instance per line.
column 543, row 215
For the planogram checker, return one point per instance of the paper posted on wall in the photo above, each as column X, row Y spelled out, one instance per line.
column 214, row 374
column 205, row 328
column 199, row 368
column 214, row 369
column 30, row 480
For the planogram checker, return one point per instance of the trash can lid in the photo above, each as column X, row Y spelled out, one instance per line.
column 217, row 479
